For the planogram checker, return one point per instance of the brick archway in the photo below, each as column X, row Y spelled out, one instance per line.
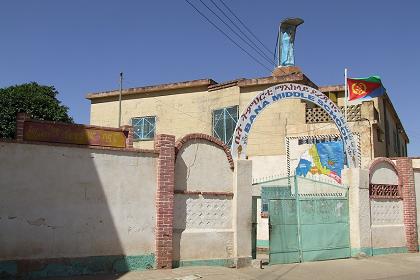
column 375, row 162
column 378, row 160
column 201, row 136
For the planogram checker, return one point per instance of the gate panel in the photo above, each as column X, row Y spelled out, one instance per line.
column 309, row 226
column 284, row 244
column 324, row 228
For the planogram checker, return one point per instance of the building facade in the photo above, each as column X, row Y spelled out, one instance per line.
column 205, row 106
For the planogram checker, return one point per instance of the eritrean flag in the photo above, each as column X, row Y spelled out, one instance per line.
column 365, row 87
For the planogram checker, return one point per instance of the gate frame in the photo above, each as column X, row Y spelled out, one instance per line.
column 298, row 197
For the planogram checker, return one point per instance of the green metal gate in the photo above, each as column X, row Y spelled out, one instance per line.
column 308, row 226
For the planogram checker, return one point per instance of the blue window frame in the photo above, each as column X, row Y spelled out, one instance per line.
column 224, row 123
column 144, row 127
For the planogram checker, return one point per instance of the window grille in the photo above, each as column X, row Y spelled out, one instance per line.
column 224, row 123
column 144, row 128
column 384, row 191
column 319, row 115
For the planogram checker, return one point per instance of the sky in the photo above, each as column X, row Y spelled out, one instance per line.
column 81, row 46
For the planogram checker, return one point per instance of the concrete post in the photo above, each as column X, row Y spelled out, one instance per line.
column 242, row 212
column 359, row 210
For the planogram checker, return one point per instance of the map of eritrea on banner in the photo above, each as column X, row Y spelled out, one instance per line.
column 323, row 159
column 365, row 87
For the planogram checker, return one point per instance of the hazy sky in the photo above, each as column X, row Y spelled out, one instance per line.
column 81, row 46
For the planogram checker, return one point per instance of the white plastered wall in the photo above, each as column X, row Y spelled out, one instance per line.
column 58, row 202
column 203, row 224
column 387, row 217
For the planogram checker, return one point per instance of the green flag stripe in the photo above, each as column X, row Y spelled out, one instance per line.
column 371, row 79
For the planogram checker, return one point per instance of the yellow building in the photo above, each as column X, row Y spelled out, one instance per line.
column 205, row 106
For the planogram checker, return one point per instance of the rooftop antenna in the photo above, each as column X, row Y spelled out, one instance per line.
column 286, row 41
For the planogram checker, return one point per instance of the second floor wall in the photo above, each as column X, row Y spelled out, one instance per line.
column 183, row 111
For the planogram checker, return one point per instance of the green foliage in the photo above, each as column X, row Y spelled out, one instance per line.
column 38, row 101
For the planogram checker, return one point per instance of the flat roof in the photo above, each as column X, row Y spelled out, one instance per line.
column 209, row 83
column 153, row 88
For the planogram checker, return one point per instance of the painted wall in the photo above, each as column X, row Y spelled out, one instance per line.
column 387, row 216
column 262, row 228
column 66, row 202
column 387, row 223
column 384, row 173
column 183, row 111
column 178, row 112
column 201, row 219
column 265, row 166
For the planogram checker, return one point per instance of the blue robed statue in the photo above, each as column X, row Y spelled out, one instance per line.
column 287, row 41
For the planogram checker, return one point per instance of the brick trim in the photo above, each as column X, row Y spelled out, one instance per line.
column 409, row 203
column 379, row 160
column 165, row 144
column 21, row 118
column 131, row 150
column 129, row 134
column 209, row 138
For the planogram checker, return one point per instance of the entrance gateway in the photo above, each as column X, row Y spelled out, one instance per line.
column 303, row 225
column 291, row 91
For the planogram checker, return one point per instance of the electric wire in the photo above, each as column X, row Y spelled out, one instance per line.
column 227, row 36
column 244, row 34
column 275, row 48
column 243, row 24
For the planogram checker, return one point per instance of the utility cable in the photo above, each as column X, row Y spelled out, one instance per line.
column 244, row 34
column 227, row 36
column 243, row 24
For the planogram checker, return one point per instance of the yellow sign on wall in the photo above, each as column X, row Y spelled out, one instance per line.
column 73, row 134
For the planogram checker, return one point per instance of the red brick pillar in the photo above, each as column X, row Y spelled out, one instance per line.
column 128, row 132
column 20, row 123
column 406, row 174
column 165, row 144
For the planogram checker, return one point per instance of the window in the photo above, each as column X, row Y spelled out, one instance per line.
column 144, row 128
column 224, row 123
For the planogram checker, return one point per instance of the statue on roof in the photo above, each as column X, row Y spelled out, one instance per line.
column 287, row 41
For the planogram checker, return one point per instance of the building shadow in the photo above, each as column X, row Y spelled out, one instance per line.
column 71, row 211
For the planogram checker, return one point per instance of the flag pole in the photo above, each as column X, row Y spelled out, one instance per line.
column 346, row 94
